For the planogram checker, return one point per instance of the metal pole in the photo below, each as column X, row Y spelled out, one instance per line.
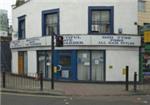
column 127, row 78
column 52, row 59
column 3, row 75
column 41, row 81
column 135, row 81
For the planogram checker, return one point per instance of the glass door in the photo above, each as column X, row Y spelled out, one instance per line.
column 83, row 65
column 98, row 65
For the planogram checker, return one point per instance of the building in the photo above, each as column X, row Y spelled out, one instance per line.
column 144, row 31
column 143, row 12
column 100, row 39
column 5, row 52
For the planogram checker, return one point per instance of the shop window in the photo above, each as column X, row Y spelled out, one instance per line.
column 91, row 65
column 65, row 61
column 147, row 62
column 21, row 27
column 100, row 20
column 50, row 23
column 22, row 63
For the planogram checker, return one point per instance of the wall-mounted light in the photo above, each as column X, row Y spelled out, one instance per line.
column 120, row 30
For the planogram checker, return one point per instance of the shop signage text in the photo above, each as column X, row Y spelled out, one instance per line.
column 78, row 40
column 117, row 40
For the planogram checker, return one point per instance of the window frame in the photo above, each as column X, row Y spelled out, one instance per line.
column 141, row 3
column 20, row 20
column 101, row 8
column 44, row 14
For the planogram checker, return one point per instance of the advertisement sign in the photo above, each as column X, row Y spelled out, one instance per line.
column 76, row 40
column 81, row 40
column 116, row 40
column 147, row 60
column 147, row 37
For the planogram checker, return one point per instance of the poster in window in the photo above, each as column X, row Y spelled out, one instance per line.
column 147, row 60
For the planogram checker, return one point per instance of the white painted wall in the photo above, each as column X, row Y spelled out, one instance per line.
column 14, row 62
column 74, row 15
column 32, row 63
column 119, row 59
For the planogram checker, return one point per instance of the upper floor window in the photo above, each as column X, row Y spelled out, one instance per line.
column 101, row 20
column 50, row 23
column 141, row 5
column 21, row 27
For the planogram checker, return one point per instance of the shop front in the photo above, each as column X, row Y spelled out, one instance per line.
column 82, row 58
column 84, row 65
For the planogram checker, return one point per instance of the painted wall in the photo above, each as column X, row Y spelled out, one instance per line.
column 74, row 15
column 118, row 59
column 14, row 62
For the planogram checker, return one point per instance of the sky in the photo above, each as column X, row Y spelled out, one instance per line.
column 6, row 4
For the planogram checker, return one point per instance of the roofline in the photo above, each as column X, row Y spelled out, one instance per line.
column 14, row 6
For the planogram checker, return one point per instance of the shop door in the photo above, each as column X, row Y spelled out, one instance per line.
column 44, row 63
column 65, row 61
column 97, row 65
column 83, row 65
column 21, row 63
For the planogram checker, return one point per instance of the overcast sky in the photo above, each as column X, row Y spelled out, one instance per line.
column 6, row 4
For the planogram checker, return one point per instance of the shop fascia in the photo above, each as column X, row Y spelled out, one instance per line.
column 79, row 40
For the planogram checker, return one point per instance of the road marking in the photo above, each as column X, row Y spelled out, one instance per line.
column 138, row 98
column 145, row 102
column 66, row 103
column 70, row 98
column 18, row 94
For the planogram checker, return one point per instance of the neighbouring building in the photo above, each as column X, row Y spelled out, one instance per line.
column 100, row 39
column 144, row 31
column 5, row 52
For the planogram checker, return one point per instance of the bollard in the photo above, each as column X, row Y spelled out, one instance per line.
column 41, row 81
column 135, row 82
column 3, row 75
column 127, row 78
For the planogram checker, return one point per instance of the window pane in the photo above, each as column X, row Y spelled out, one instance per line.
column 95, row 17
column 105, row 17
column 101, row 21
column 51, row 23
column 141, row 6
column 83, row 65
column 97, row 65
column 21, row 29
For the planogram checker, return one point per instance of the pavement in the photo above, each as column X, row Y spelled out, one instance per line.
column 85, row 89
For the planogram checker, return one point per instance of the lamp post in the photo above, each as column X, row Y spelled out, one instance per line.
column 51, row 32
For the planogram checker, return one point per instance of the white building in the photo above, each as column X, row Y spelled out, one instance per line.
column 100, row 38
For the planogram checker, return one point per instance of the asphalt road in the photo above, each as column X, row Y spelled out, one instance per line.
column 24, row 99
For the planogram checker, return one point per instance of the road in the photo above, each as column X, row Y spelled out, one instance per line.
column 24, row 99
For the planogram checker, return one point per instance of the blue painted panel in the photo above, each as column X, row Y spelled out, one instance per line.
column 73, row 69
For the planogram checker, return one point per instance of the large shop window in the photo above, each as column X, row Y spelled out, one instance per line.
column 21, row 27
column 50, row 23
column 91, row 65
column 44, row 63
column 22, row 63
column 100, row 20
